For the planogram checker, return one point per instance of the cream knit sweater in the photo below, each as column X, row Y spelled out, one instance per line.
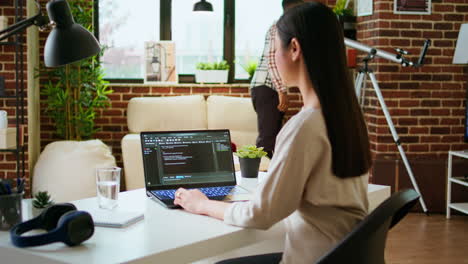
column 318, row 207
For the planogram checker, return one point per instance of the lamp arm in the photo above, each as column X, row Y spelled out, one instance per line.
column 38, row 20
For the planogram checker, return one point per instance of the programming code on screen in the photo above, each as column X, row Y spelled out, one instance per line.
column 187, row 158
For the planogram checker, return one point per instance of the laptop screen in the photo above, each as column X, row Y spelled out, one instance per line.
column 187, row 157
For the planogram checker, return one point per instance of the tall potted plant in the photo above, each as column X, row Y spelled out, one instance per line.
column 73, row 95
column 76, row 91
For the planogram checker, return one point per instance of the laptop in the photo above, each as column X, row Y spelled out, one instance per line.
column 191, row 160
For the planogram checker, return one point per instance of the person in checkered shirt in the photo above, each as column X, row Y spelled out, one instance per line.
column 269, row 94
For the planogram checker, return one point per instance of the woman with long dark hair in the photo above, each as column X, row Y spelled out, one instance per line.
column 317, row 180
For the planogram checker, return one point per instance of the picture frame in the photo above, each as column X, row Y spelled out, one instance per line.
column 412, row 7
column 160, row 62
column 365, row 7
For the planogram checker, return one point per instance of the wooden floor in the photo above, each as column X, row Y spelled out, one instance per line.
column 428, row 240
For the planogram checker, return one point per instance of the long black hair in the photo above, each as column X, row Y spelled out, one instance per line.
column 320, row 36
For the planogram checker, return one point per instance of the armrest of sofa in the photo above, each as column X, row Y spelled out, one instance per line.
column 133, row 162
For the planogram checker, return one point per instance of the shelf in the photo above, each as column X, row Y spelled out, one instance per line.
column 12, row 96
column 8, row 150
column 12, row 150
column 6, row 43
column 462, row 207
column 461, row 154
column 460, row 180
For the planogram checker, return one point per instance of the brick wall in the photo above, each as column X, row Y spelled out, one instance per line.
column 8, row 166
column 427, row 104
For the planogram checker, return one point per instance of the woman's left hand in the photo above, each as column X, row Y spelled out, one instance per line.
column 190, row 200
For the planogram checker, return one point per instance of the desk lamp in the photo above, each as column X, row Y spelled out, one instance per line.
column 68, row 42
column 203, row 6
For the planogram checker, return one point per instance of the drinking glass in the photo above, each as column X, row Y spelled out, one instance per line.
column 108, row 186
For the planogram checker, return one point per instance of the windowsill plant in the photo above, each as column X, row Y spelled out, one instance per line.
column 249, row 159
column 250, row 68
column 345, row 15
column 216, row 72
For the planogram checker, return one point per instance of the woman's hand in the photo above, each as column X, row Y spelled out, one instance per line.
column 191, row 200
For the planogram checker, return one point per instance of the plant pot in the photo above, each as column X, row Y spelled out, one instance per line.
column 349, row 26
column 249, row 167
column 36, row 211
column 211, row 76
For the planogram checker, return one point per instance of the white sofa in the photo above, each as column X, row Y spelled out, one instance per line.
column 183, row 113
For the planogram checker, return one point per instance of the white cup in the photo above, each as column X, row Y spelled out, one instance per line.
column 3, row 119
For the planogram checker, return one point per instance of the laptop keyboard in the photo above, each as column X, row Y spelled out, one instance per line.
column 221, row 191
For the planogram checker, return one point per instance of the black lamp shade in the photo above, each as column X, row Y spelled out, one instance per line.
column 203, row 6
column 68, row 42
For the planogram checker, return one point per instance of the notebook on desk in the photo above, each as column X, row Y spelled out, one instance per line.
column 190, row 159
column 116, row 219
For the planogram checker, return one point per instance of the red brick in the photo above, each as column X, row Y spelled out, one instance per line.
column 451, row 103
column 430, row 139
column 119, row 89
column 418, row 148
column 440, row 112
column 443, row 8
column 202, row 90
column 443, row 43
column 461, row 8
column 451, row 121
column 429, row 121
column 419, row 130
column 440, row 130
column 409, row 103
column 141, row 90
column 112, row 112
column 432, row 34
column 453, row 17
column 160, row 90
column 438, row 147
column 181, row 90
column 452, row 139
column 407, row 121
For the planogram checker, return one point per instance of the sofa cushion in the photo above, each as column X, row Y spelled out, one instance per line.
column 166, row 113
column 233, row 113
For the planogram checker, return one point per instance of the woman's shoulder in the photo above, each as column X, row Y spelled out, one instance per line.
column 308, row 123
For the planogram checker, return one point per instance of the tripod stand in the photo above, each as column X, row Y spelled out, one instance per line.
column 360, row 81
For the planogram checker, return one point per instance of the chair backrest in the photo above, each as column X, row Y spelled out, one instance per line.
column 236, row 114
column 166, row 113
column 366, row 243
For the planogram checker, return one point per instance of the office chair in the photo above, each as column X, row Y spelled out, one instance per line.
column 366, row 242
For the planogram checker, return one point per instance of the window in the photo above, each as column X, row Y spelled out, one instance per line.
column 198, row 36
column 251, row 28
column 124, row 26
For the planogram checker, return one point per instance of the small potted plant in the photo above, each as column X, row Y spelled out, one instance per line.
column 345, row 15
column 250, row 68
column 216, row 72
column 249, row 159
column 41, row 201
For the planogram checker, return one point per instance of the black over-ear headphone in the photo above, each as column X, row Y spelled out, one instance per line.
column 63, row 224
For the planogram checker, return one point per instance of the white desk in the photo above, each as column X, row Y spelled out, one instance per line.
column 164, row 236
